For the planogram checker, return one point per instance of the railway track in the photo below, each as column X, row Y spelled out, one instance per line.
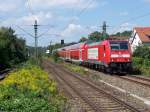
column 136, row 79
column 98, row 100
column 4, row 73
column 75, row 101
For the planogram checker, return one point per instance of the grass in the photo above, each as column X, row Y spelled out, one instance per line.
column 29, row 89
column 76, row 68
column 145, row 70
column 141, row 66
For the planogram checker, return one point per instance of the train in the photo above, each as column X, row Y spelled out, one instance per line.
column 111, row 56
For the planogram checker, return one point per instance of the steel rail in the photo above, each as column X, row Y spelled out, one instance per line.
column 132, row 79
column 141, row 78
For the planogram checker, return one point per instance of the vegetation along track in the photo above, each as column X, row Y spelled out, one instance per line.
column 97, row 99
column 137, row 79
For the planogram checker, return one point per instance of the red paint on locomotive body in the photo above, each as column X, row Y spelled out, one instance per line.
column 113, row 54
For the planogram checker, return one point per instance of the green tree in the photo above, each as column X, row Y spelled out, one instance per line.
column 97, row 36
column 125, row 33
column 12, row 49
column 83, row 39
column 142, row 52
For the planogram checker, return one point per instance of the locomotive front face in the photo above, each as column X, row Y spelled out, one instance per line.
column 120, row 56
column 120, row 51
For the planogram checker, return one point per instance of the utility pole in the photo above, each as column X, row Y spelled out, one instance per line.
column 104, row 30
column 36, row 38
column 104, row 27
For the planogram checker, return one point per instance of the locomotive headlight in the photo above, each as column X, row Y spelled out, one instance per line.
column 126, row 55
column 114, row 55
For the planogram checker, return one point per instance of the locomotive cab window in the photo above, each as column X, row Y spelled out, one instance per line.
column 114, row 46
column 119, row 45
column 123, row 46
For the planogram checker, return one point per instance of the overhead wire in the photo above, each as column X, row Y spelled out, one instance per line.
column 33, row 16
column 81, row 12
column 24, row 31
column 131, row 19
column 89, row 3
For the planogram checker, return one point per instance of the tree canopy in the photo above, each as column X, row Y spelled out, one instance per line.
column 125, row 33
column 142, row 52
column 83, row 39
column 97, row 36
column 12, row 49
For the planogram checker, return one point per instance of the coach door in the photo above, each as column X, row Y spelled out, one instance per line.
column 68, row 55
column 104, row 53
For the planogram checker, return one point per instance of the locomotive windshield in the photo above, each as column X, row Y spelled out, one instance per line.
column 119, row 45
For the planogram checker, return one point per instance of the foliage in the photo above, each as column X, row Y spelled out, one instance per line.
column 142, row 52
column 55, row 56
column 83, row 39
column 141, row 60
column 12, row 49
column 41, row 51
column 141, row 66
column 125, row 33
column 97, row 36
column 29, row 89
column 145, row 70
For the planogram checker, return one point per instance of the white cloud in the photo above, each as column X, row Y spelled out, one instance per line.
column 125, row 13
column 72, row 30
column 41, row 17
column 126, row 27
column 9, row 5
column 5, row 7
column 60, row 3
column 75, row 31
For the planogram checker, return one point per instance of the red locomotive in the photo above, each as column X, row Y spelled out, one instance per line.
column 108, row 55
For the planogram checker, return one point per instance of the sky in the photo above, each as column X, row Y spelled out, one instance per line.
column 71, row 19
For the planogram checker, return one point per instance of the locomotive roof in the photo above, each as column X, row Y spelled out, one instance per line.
column 94, row 43
column 100, row 42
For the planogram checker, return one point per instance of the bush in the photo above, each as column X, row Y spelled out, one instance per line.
column 12, row 49
column 29, row 89
column 141, row 66
column 55, row 57
column 142, row 52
